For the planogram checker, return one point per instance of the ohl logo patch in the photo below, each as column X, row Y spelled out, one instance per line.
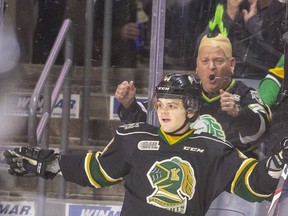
column 174, row 182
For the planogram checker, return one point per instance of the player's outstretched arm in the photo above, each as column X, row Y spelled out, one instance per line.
column 258, row 180
column 29, row 160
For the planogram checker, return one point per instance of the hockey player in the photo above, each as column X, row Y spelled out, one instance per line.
column 168, row 171
column 237, row 107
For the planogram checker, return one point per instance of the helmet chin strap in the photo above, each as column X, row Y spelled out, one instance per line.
column 187, row 120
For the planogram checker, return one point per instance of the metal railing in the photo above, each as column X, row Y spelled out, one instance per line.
column 35, row 132
column 89, row 17
column 38, row 134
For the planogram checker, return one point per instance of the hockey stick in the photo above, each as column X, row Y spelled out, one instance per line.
column 273, row 210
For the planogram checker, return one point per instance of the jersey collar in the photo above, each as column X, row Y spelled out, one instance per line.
column 171, row 140
column 217, row 97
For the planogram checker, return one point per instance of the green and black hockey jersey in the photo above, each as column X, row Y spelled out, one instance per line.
column 167, row 175
column 249, row 126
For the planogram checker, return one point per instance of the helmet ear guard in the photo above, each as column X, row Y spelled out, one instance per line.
column 191, row 105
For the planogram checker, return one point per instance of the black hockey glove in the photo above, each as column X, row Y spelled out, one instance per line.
column 25, row 160
column 276, row 162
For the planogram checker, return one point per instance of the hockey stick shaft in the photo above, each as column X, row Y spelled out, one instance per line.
column 273, row 207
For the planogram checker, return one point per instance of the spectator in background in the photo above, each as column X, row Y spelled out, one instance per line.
column 274, row 25
column 129, row 32
column 273, row 91
column 270, row 86
column 128, row 17
column 126, row 31
column 254, row 32
column 230, row 102
column 185, row 21
column 75, row 10
column 49, row 21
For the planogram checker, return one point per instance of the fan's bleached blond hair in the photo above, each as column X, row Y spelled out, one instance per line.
column 218, row 41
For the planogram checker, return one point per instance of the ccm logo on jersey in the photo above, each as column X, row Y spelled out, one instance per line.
column 193, row 149
column 148, row 145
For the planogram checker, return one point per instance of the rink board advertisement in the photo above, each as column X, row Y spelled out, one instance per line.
column 92, row 210
column 114, row 104
column 20, row 208
column 17, row 104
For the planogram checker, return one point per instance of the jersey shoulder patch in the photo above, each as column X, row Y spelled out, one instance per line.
column 208, row 124
column 138, row 127
column 211, row 139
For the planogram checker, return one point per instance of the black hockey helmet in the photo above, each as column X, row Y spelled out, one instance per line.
column 183, row 86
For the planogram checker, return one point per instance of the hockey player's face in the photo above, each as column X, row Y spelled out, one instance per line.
column 171, row 114
column 214, row 68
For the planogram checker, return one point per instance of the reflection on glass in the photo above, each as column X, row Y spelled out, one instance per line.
column 256, row 35
column 255, row 30
column 185, row 21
